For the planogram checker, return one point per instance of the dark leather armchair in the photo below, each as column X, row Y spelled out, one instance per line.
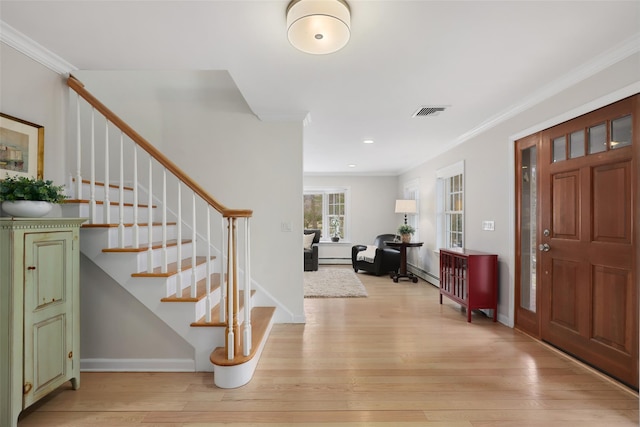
column 311, row 254
column 385, row 261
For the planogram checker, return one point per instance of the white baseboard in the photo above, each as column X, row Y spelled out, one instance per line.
column 138, row 365
column 328, row 261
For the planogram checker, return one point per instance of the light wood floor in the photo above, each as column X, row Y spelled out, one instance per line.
column 396, row 359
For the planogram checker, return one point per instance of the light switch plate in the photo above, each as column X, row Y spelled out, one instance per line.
column 488, row 225
column 285, row 226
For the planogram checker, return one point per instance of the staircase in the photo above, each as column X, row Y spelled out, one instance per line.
column 198, row 285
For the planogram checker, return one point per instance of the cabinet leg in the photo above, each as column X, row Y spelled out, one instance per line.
column 75, row 383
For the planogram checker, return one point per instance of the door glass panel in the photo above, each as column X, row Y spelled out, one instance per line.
column 528, row 219
column 621, row 132
column 576, row 144
column 597, row 138
column 560, row 149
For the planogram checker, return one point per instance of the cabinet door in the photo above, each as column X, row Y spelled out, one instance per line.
column 48, row 338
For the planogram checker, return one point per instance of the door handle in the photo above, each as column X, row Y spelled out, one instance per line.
column 544, row 247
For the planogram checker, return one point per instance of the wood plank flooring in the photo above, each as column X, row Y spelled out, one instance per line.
column 395, row 359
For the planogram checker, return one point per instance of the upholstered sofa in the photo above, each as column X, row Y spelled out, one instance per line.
column 311, row 251
column 380, row 259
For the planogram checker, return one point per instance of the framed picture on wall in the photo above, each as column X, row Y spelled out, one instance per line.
column 21, row 148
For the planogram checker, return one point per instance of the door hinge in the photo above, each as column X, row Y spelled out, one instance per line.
column 27, row 388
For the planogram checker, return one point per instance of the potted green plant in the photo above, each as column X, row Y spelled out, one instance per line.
column 29, row 197
column 405, row 231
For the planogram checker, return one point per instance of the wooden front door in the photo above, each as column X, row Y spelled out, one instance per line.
column 586, row 248
column 584, row 251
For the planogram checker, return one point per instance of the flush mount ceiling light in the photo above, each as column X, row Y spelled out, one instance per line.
column 318, row 26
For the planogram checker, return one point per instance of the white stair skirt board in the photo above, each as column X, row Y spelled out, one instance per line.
column 239, row 375
column 137, row 365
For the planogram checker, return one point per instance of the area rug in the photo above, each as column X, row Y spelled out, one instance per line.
column 333, row 283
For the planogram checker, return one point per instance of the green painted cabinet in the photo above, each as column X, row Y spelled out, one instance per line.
column 39, row 310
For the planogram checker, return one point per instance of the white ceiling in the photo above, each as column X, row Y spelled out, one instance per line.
column 481, row 58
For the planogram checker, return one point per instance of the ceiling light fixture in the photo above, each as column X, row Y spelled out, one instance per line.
column 368, row 141
column 318, row 26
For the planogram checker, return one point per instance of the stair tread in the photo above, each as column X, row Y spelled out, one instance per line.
column 116, row 225
column 111, row 203
column 172, row 268
column 215, row 313
column 144, row 247
column 201, row 290
column 260, row 319
column 101, row 184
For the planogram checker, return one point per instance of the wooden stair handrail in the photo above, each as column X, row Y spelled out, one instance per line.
column 78, row 87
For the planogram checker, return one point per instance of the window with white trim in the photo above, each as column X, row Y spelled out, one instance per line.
column 326, row 209
column 450, row 203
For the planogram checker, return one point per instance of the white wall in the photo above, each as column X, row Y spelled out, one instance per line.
column 489, row 171
column 138, row 332
column 32, row 92
column 371, row 207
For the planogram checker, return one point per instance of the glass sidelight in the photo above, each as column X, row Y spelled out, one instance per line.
column 528, row 221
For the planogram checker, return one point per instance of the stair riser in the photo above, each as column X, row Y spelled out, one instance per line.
column 201, row 306
column 82, row 210
column 169, row 284
column 109, row 237
column 135, row 262
column 114, row 194
column 188, row 310
column 113, row 235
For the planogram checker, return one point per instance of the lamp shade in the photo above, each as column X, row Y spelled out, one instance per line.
column 406, row 206
column 318, row 26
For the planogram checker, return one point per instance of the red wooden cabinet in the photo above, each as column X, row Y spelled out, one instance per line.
column 470, row 278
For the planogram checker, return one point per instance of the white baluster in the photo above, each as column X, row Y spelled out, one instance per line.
column 223, row 274
column 193, row 247
column 165, row 252
column 179, row 244
column 92, row 182
column 208, row 273
column 121, row 195
column 247, row 290
column 78, row 152
column 135, row 229
column 107, row 203
column 150, row 219
column 230, row 294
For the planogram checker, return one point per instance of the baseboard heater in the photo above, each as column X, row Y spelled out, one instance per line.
column 326, row 261
column 424, row 275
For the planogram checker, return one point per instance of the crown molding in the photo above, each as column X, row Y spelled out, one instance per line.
column 610, row 57
column 23, row 44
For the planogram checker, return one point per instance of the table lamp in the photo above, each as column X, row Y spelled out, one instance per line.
column 406, row 207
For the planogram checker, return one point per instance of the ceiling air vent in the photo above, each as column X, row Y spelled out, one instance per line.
column 429, row 110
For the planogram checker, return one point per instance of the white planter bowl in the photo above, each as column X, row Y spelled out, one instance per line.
column 27, row 208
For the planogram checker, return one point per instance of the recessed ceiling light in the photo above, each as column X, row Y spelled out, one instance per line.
column 368, row 141
column 352, row 165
